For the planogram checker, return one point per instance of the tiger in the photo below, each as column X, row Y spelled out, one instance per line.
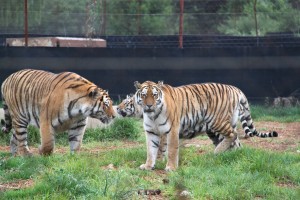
column 53, row 103
column 128, row 108
column 189, row 110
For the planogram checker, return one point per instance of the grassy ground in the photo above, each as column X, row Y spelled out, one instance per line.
column 107, row 168
column 261, row 113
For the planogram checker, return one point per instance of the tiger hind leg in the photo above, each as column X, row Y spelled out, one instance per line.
column 215, row 137
column 7, row 123
column 18, row 142
column 229, row 142
column 13, row 144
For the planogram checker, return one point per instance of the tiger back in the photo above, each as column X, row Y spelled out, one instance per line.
column 189, row 110
column 53, row 103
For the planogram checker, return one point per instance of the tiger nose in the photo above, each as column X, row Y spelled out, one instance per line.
column 149, row 106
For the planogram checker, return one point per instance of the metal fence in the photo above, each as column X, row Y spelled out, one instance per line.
column 219, row 20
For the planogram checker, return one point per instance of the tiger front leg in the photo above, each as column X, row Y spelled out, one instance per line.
column 47, row 139
column 75, row 135
column 173, row 151
column 162, row 147
column 153, row 142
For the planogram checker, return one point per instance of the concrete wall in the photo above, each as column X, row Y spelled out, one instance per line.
column 259, row 72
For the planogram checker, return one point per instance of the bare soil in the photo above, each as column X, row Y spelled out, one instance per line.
column 288, row 137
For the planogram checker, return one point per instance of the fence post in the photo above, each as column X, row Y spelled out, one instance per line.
column 26, row 22
column 255, row 20
column 181, row 24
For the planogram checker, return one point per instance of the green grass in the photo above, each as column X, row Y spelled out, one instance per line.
column 247, row 173
column 127, row 128
column 244, row 174
column 262, row 113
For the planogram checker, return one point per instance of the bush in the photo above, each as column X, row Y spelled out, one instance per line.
column 121, row 128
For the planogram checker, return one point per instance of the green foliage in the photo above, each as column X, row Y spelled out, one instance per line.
column 280, row 114
column 86, row 17
column 243, row 174
column 140, row 17
column 272, row 16
column 17, row 168
column 122, row 128
column 149, row 17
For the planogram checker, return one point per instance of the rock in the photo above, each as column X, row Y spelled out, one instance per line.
column 185, row 193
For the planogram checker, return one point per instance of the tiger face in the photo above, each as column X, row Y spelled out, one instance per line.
column 127, row 107
column 103, row 109
column 94, row 102
column 149, row 95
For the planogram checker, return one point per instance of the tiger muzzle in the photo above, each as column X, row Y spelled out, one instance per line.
column 148, row 108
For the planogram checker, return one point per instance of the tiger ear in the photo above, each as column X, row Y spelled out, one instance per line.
column 160, row 83
column 137, row 85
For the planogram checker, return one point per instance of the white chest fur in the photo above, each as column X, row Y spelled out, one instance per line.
column 156, row 124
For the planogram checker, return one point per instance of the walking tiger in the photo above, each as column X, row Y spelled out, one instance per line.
column 53, row 103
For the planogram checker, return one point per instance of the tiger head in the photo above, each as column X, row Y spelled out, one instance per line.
column 128, row 107
column 149, row 95
column 90, row 102
column 103, row 107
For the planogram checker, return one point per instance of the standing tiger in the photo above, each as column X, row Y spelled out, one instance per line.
column 188, row 110
column 53, row 103
column 129, row 108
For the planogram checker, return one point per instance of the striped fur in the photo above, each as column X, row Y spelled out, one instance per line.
column 128, row 108
column 53, row 103
column 189, row 110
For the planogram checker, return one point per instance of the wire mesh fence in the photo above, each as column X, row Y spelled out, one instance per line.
column 217, row 20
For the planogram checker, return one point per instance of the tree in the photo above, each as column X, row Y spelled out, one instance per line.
column 137, row 17
column 85, row 17
column 272, row 16
column 201, row 16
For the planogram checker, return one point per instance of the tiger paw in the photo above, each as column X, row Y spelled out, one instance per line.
column 4, row 130
column 170, row 168
column 45, row 151
column 24, row 153
column 146, row 167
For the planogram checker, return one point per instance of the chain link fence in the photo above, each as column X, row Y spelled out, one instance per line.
column 131, row 23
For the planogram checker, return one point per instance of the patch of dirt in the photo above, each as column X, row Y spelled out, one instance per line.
column 286, row 184
column 16, row 185
column 66, row 150
column 288, row 137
